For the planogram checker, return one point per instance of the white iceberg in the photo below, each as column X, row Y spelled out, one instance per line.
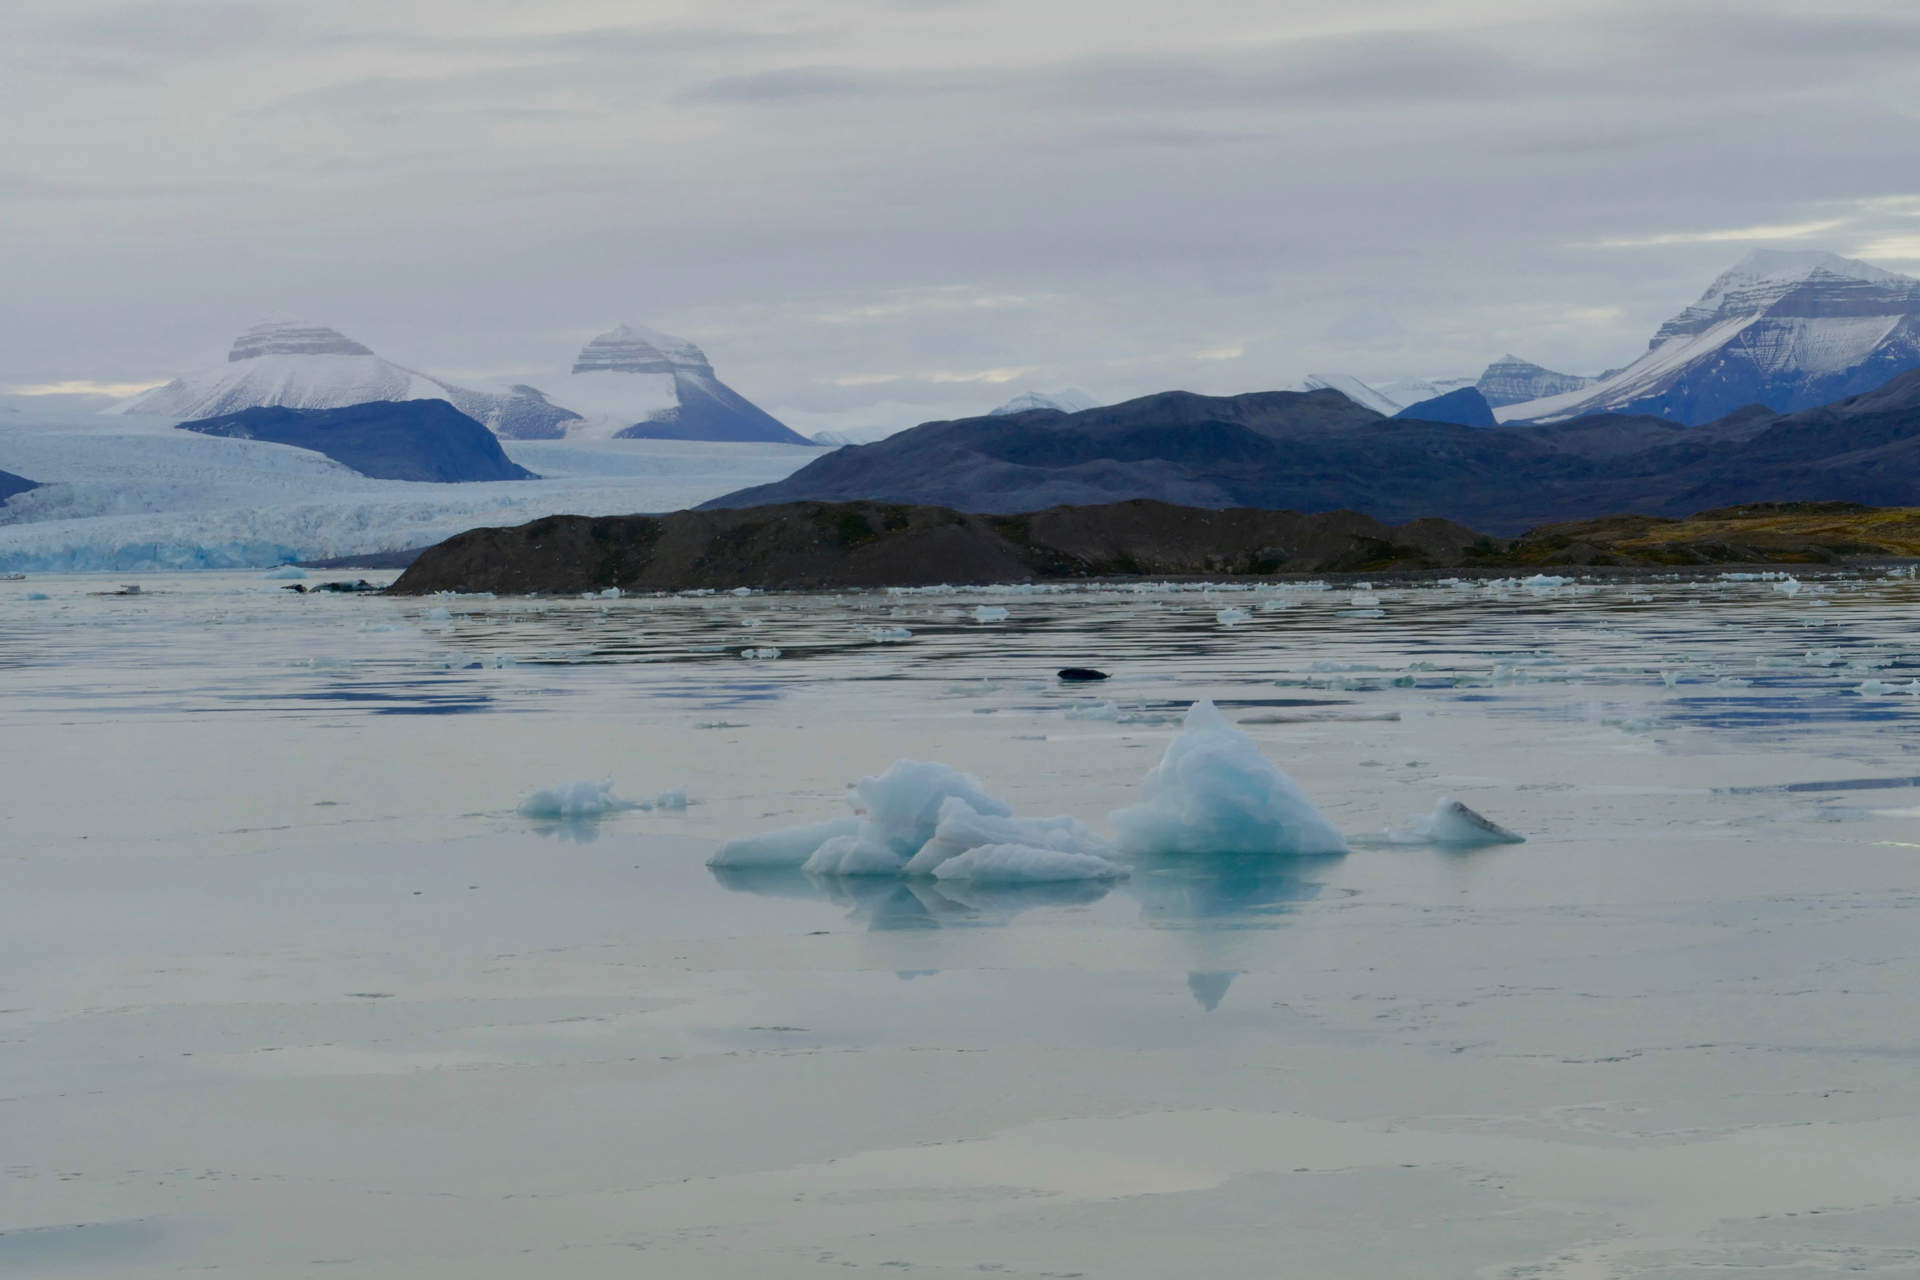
column 903, row 805
column 788, row 848
column 286, row 572
column 1024, row 864
column 962, row 828
column 1213, row 792
column 583, row 799
column 990, row 613
column 1453, row 823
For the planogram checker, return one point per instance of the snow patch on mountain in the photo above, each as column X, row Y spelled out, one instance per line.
column 1350, row 387
column 1069, row 400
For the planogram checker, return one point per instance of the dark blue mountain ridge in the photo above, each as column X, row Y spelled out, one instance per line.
column 426, row 440
column 1467, row 407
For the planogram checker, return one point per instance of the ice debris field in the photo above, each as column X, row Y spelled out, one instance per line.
column 868, row 944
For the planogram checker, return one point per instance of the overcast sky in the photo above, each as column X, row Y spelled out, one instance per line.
column 885, row 211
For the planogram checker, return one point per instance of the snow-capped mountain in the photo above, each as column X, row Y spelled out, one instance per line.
column 1511, row 380
column 1071, row 400
column 1790, row 330
column 635, row 383
column 298, row 365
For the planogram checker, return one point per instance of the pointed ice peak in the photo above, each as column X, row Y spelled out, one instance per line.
column 634, row 348
column 1071, row 400
column 282, row 336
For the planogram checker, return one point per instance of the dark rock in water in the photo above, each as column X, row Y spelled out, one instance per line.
column 382, row 439
column 11, row 484
column 871, row 544
column 1078, row 674
column 1466, row 407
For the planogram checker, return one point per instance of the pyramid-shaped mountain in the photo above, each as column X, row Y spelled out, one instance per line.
column 1790, row 330
column 636, row 383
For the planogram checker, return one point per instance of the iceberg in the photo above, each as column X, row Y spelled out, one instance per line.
column 788, row 848
column 1024, row 864
column 854, row 855
column 963, row 828
column 584, row 799
column 903, row 805
column 1213, row 792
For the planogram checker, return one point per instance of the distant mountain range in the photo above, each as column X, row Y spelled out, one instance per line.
column 629, row 383
column 1071, row 400
column 1319, row 451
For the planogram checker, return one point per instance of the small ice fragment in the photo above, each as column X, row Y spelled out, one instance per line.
column 611, row 593
column 439, row 613
column 743, row 591
column 765, row 651
column 961, row 828
column 1024, row 864
column 1231, row 617
column 1363, row 600
column 1670, row 678
column 1213, row 792
column 583, row 799
column 1094, row 711
column 38, row 595
column 1453, row 823
column 888, row 634
column 675, row 798
column 789, row 848
column 990, row 613
column 1790, row 587
column 854, row 856
column 286, row 573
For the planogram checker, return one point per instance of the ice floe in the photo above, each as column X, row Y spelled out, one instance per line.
column 592, row 799
column 1024, row 864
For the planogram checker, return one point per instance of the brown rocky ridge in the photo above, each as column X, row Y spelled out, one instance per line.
column 800, row 545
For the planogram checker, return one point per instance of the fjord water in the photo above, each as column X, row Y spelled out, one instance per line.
column 287, row 987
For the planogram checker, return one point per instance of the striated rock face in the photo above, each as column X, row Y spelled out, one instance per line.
column 634, row 348
column 822, row 544
column 1511, row 380
column 293, row 338
column 1788, row 330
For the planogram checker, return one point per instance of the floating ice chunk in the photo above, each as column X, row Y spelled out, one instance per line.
column 585, row 799
column 1363, row 600
column 1025, row 864
column 285, row 573
column 854, row 856
column 611, row 593
column 439, row 613
column 902, row 805
column 1544, row 582
column 1213, row 792
column 1876, row 688
column 743, row 591
column 888, row 634
column 1232, row 617
column 1453, row 823
column 675, row 798
column 1670, row 678
column 990, row 613
column 38, row 595
column 789, row 848
column 1094, row 711
column 962, row 827
column 766, row 651
column 1790, row 587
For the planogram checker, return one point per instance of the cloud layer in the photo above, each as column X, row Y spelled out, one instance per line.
column 871, row 210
